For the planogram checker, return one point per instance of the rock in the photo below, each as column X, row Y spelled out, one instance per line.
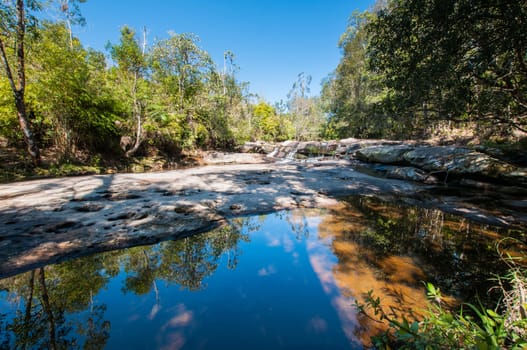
column 411, row 174
column 258, row 147
column 449, row 160
column 233, row 158
column 399, row 173
column 384, row 154
column 89, row 207
column 457, row 161
column 317, row 149
column 517, row 176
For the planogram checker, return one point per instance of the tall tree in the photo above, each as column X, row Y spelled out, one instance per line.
column 454, row 59
column 180, row 60
column 68, row 92
column 130, row 57
column 306, row 115
column 70, row 11
column 180, row 69
column 350, row 92
column 13, row 22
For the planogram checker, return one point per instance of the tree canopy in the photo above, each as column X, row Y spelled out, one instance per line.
column 406, row 66
column 417, row 62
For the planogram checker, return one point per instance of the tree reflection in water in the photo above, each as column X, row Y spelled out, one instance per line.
column 55, row 306
column 363, row 244
column 392, row 249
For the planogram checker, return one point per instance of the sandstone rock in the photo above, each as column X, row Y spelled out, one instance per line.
column 399, row 173
column 450, row 160
column 517, row 176
column 258, row 147
column 384, row 154
column 457, row 161
column 233, row 158
column 411, row 174
column 318, row 148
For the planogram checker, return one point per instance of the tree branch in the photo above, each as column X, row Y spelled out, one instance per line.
column 8, row 71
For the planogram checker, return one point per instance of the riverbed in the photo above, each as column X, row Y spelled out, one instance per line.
column 287, row 279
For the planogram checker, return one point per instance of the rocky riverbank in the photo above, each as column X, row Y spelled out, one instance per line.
column 405, row 160
column 49, row 220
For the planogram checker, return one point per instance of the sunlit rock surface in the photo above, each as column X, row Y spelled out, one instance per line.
column 48, row 220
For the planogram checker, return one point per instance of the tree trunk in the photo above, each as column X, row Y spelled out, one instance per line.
column 18, row 88
column 136, row 110
column 31, row 143
column 29, row 305
column 48, row 311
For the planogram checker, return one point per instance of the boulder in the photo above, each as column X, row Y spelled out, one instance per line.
column 411, row 174
column 317, row 148
column 457, row 161
column 399, row 173
column 258, row 147
column 384, row 154
column 215, row 158
column 517, row 176
column 450, row 160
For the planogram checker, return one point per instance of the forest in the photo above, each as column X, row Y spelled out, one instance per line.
column 410, row 69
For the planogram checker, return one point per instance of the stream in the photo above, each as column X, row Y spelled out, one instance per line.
column 284, row 280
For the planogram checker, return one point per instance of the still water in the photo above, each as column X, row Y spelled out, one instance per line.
column 286, row 280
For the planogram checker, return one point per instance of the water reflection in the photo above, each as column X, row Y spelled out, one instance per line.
column 278, row 281
column 392, row 249
column 55, row 306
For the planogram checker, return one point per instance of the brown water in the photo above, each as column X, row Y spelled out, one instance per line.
column 286, row 280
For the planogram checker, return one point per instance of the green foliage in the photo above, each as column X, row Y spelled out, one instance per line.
column 351, row 93
column 127, row 53
column 453, row 60
column 8, row 121
column 474, row 327
column 305, row 112
column 412, row 64
column 77, row 110
column 267, row 121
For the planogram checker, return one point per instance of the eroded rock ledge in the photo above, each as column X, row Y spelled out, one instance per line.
column 47, row 221
column 408, row 160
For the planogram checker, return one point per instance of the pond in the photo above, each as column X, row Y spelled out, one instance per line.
column 287, row 280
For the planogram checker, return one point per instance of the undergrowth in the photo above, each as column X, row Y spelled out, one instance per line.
column 474, row 326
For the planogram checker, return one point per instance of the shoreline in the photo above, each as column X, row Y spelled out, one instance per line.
column 51, row 220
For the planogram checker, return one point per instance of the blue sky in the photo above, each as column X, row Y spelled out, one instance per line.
column 273, row 40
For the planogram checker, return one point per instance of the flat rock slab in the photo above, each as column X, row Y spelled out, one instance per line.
column 46, row 221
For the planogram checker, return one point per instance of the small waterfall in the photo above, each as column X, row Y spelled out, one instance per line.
column 274, row 152
column 323, row 149
column 292, row 153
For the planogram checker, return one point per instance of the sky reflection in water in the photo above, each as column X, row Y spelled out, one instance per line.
column 284, row 280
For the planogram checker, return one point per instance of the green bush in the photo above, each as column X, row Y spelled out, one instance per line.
column 473, row 327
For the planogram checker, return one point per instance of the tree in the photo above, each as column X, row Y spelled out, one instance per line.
column 13, row 32
column 352, row 90
column 180, row 69
column 306, row 116
column 130, row 58
column 68, row 93
column 181, row 65
column 69, row 12
column 267, row 121
column 453, row 60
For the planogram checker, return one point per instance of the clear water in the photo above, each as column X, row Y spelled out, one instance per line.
column 281, row 281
